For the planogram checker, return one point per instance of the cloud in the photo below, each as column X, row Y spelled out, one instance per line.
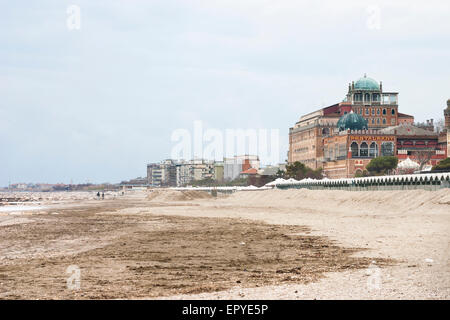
column 101, row 102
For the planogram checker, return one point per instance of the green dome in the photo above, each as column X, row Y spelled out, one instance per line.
column 352, row 121
column 367, row 84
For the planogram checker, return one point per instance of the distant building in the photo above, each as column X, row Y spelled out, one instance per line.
column 447, row 126
column 171, row 173
column 248, row 173
column 142, row 182
column 219, row 171
column 348, row 152
column 18, row 186
column 271, row 170
column 161, row 174
column 235, row 165
column 343, row 138
column 184, row 176
column 428, row 125
column 365, row 97
column 405, row 118
column 182, row 173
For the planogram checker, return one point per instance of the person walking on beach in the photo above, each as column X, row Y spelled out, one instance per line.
column 98, row 195
column 103, row 196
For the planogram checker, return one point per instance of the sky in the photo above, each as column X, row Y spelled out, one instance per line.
column 96, row 104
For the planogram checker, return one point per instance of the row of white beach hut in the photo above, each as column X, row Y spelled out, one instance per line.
column 430, row 181
column 410, row 181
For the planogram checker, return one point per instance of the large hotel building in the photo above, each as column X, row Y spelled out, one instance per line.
column 344, row 137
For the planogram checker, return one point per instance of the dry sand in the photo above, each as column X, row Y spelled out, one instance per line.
column 274, row 244
column 412, row 227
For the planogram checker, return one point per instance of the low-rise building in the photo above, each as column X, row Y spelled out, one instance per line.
column 235, row 165
column 219, row 171
column 182, row 173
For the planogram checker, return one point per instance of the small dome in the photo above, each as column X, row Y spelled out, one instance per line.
column 352, row 121
column 366, row 83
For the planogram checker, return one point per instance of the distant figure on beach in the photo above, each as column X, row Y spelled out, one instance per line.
column 98, row 195
column 103, row 196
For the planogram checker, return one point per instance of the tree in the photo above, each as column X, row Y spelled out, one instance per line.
column 382, row 165
column 443, row 165
column 423, row 156
column 359, row 173
column 207, row 182
column 280, row 174
column 299, row 171
column 259, row 181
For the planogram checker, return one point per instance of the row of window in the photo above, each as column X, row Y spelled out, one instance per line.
column 378, row 111
column 379, row 121
column 364, row 150
column 301, row 150
column 375, row 97
column 303, row 136
column 338, row 152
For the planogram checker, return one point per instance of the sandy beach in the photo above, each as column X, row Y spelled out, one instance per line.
column 271, row 244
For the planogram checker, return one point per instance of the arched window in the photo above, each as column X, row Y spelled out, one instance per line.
column 378, row 112
column 393, row 111
column 364, row 150
column 354, row 148
column 378, row 120
column 375, row 97
column 384, row 111
column 387, row 149
column 373, row 151
column 358, row 173
column 325, row 131
column 367, row 97
column 384, row 120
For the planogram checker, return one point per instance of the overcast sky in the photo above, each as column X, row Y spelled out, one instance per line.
column 100, row 102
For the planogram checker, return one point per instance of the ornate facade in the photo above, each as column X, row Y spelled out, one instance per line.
column 344, row 137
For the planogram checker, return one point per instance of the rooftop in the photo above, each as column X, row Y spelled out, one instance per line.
column 407, row 130
column 366, row 83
